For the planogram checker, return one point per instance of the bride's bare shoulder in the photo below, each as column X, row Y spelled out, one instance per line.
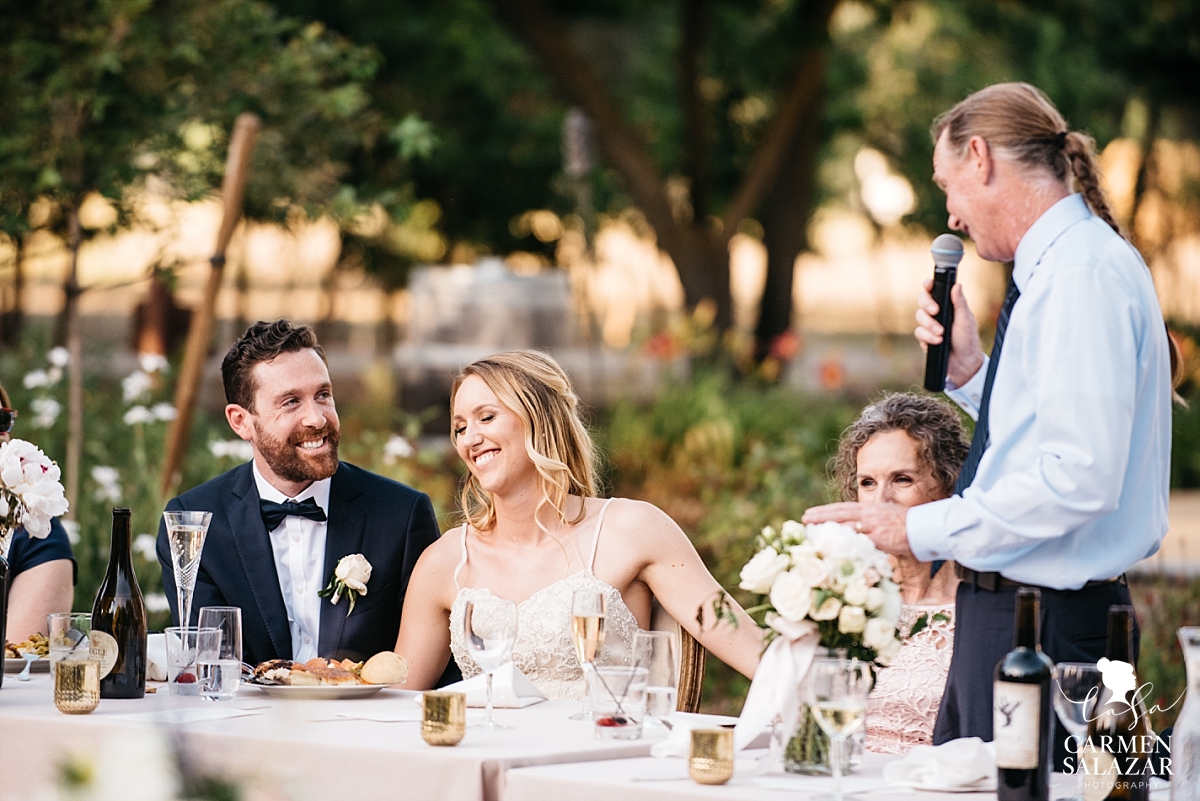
column 639, row 521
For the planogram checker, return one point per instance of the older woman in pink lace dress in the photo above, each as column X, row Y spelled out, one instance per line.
column 908, row 449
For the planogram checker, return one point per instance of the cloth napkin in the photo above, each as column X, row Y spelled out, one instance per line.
column 511, row 689
column 776, row 684
column 964, row 765
column 156, row 657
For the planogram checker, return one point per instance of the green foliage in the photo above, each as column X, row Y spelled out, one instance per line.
column 1164, row 604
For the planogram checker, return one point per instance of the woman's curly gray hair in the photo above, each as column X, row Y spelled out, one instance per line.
column 931, row 422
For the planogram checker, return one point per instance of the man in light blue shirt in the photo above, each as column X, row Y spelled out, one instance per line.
column 1068, row 485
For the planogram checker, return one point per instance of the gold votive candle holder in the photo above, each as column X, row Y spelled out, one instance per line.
column 443, row 718
column 76, row 686
column 711, row 757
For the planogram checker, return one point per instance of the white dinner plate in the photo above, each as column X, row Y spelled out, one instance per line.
column 17, row 665
column 320, row 693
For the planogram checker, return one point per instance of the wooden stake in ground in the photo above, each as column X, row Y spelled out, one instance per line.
column 237, row 167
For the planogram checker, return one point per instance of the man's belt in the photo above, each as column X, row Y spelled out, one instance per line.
column 992, row 582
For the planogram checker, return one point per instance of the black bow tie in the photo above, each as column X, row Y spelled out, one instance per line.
column 274, row 513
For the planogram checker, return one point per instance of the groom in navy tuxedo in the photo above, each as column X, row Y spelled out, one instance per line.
column 283, row 521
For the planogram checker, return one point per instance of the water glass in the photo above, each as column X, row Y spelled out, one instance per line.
column 618, row 700
column 68, row 636
column 182, row 649
column 77, row 686
column 1076, row 689
column 655, row 651
column 490, row 626
column 219, row 660
column 710, row 760
column 443, row 717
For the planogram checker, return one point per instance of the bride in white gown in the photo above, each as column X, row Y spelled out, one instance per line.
column 535, row 531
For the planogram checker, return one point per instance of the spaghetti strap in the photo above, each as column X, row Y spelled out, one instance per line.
column 596, row 539
column 463, row 561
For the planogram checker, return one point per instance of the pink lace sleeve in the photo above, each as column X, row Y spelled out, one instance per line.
column 902, row 708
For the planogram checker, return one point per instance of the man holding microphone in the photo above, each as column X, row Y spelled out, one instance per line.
column 1066, row 484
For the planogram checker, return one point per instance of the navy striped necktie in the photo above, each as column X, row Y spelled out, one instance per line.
column 979, row 441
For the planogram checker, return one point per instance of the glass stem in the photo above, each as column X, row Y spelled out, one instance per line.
column 835, row 763
column 489, row 699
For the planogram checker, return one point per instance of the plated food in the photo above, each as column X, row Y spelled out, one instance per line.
column 382, row 669
column 35, row 644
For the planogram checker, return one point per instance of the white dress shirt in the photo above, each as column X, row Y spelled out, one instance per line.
column 298, row 545
column 1073, row 486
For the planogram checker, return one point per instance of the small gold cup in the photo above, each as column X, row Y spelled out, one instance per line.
column 76, row 686
column 444, row 718
column 711, row 759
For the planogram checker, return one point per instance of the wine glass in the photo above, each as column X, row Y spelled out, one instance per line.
column 491, row 628
column 185, row 534
column 837, row 696
column 588, row 609
column 1076, row 690
column 655, row 651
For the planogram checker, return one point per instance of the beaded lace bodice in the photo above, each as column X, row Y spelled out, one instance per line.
column 902, row 708
column 543, row 650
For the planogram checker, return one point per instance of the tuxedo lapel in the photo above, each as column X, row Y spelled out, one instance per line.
column 253, row 545
column 343, row 537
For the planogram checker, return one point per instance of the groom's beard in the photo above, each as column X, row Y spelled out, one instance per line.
column 288, row 461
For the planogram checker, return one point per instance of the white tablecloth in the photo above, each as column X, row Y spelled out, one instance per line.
column 281, row 745
column 647, row 779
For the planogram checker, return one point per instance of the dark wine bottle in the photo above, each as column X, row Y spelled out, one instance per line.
column 120, row 613
column 1021, row 703
column 1119, row 741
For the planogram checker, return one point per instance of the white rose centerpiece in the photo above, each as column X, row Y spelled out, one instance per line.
column 350, row 578
column 30, row 491
column 829, row 574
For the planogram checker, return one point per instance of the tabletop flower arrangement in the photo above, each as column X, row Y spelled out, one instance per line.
column 828, row 579
column 30, row 491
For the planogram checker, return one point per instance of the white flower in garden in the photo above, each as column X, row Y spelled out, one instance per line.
column 851, row 619
column 760, row 572
column 72, row 528
column 45, row 412
column 54, row 375
column 811, row 568
column 59, row 357
column 791, row 531
column 163, row 411
column 157, row 602
column 875, row 599
column 828, row 610
column 137, row 415
column 136, row 384
column 143, row 545
column 397, row 448
column 108, row 482
column 36, row 378
column 878, row 632
column 791, row 596
column 231, row 449
column 153, row 363
column 856, row 593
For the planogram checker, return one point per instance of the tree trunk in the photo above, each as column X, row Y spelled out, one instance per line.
column 71, row 293
column 785, row 219
column 13, row 319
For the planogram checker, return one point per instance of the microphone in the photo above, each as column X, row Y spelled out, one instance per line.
column 947, row 252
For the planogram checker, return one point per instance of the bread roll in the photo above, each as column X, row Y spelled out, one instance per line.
column 386, row 667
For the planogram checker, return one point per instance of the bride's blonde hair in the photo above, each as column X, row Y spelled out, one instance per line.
column 533, row 387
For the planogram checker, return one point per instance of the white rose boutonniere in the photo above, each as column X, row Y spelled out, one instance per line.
column 350, row 578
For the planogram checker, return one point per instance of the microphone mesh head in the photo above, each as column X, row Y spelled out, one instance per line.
column 947, row 250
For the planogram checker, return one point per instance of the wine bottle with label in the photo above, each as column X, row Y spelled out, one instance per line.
column 1116, row 754
column 120, row 614
column 1021, row 703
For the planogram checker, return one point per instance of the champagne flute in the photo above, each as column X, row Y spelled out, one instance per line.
column 1076, row 689
column 588, row 609
column 491, row 629
column 837, row 696
column 656, row 651
column 185, row 534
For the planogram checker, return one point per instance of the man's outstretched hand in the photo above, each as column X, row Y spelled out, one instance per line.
column 884, row 523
